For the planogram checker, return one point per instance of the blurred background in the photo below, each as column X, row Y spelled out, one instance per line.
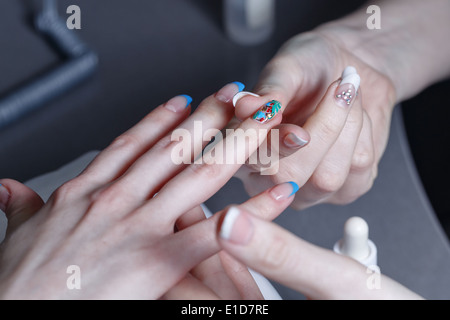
column 150, row 51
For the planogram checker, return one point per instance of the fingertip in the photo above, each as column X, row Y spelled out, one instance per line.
column 236, row 226
column 296, row 141
column 18, row 201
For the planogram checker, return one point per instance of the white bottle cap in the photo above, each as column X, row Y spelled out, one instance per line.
column 356, row 243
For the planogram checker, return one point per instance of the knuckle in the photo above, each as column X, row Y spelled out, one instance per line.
column 327, row 181
column 276, row 255
column 328, row 128
column 362, row 160
column 163, row 143
column 206, row 171
column 126, row 140
column 67, row 192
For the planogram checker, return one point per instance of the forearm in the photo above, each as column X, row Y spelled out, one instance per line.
column 412, row 47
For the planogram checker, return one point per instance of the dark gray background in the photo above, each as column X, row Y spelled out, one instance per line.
column 152, row 50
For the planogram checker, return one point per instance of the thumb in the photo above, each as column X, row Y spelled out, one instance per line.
column 18, row 202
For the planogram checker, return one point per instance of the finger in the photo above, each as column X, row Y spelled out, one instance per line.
column 245, row 284
column 177, row 149
column 293, row 262
column 190, row 288
column 18, row 202
column 332, row 172
column 211, row 272
column 201, row 180
column 124, row 150
column 324, row 126
column 277, row 81
column 289, row 138
column 361, row 175
column 189, row 247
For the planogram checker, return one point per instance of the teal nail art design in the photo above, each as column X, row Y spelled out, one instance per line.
column 295, row 187
column 267, row 111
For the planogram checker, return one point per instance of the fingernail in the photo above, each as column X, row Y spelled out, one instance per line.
column 4, row 197
column 267, row 111
column 178, row 103
column 236, row 227
column 293, row 141
column 348, row 87
column 229, row 91
column 242, row 94
column 284, row 190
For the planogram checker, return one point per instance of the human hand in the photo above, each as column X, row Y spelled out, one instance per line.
column 116, row 220
column 337, row 162
column 317, row 273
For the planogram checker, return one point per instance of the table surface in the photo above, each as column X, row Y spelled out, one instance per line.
column 152, row 50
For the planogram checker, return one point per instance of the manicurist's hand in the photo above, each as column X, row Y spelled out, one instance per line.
column 130, row 225
column 394, row 62
column 334, row 164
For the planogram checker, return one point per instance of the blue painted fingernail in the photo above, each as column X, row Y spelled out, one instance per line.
column 295, row 187
column 240, row 85
column 188, row 99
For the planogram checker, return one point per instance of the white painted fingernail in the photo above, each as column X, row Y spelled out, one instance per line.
column 228, row 223
column 349, row 75
column 242, row 94
column 348, row 70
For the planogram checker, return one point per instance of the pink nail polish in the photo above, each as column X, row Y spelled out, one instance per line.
column 284, row 190
column 178, row 103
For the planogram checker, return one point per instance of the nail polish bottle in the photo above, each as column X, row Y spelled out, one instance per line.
column 356, row 243
column 249, row 22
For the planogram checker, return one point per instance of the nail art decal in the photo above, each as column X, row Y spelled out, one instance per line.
column 267, row 111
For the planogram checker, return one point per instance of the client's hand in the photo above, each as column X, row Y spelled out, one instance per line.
column 127, row 226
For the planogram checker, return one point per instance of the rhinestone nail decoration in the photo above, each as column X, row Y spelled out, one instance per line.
column 346, row 96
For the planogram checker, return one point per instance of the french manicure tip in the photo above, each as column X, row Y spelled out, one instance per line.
column 228, row 223
column 295, row 187
column 240, row 85
column 242, row 94
column 188, row 99
column 348, row 70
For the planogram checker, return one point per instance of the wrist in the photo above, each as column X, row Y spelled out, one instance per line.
column 408, row 49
